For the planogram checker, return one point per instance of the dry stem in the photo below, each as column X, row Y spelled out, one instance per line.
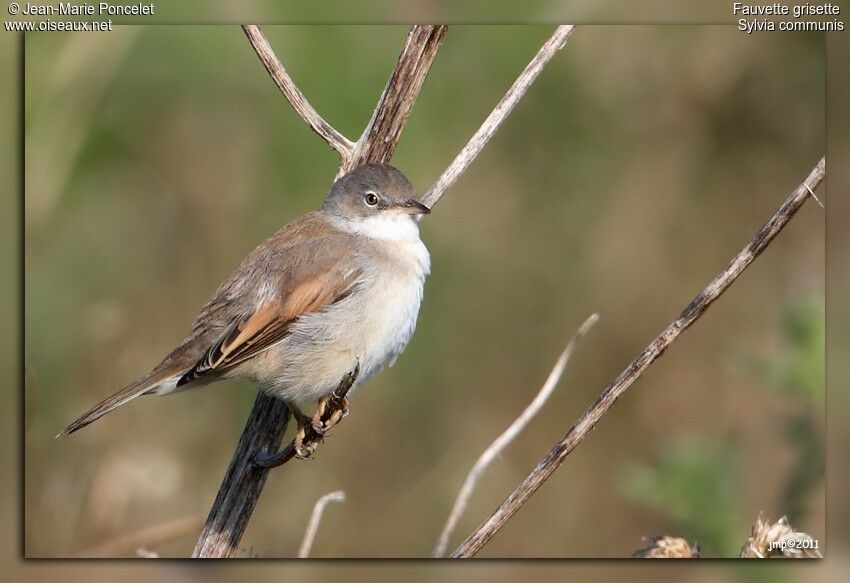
column 509, row 435
column 293, row 95
column 656, row 348
column 383, row 131
column 477, row 142
column 315, row 519
column 244, row 480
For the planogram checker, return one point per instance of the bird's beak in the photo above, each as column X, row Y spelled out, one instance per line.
column 413, row 207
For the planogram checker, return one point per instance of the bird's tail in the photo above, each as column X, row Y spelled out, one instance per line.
column 147, row 384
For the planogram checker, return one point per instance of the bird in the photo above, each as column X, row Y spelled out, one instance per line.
column 334, row 291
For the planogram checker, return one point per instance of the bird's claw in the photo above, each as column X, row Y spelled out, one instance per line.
column 311, row 431
column 306, row 441
column 329, row 411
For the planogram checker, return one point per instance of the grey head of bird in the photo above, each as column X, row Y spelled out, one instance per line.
column 373, row 191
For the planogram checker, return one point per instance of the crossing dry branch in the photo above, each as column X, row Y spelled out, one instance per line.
column 591, row 416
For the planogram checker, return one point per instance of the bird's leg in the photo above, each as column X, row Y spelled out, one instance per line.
column 331, row 409
column 300, row 417
column 310, row 431
column 304, row 448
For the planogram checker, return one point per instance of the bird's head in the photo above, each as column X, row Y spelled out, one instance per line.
column 373, row 191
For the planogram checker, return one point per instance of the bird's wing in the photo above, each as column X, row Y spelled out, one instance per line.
column 306, row 267
column 311, row 290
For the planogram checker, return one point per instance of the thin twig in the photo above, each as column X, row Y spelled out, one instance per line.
column 315, row 519
column 148, row 537
column 814, row 196
column 477, row 142
column 656, row 348
column 383, row 131
column 508, row 436
column 293, row 95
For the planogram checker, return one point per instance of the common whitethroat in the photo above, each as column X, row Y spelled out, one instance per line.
column 335, row 290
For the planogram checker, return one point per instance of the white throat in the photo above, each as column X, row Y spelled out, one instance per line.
column 386, row 226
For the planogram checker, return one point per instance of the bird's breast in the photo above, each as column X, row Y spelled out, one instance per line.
column 390, row 304
column 371, row 326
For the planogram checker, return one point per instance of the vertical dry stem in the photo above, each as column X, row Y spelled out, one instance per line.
column 266, row 425
column 267, row 422
column 244, row 479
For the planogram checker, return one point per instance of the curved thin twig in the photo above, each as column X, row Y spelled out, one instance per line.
column 477, row 142
column 293, row 95
column 509, row 435
column 656, row 348
column 315, row 519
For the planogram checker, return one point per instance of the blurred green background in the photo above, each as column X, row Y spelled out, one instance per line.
column 637, row 165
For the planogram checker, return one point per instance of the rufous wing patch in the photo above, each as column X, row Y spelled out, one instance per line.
column 247, row 337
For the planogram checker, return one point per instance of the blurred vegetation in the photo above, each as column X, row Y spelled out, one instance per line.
column 800, row 377
column 639, row 163
column 799, row 373
column 696, row 481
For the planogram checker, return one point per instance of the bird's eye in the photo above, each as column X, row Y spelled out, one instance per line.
column 370, row 198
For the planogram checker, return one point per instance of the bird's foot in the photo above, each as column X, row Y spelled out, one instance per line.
column 306, row 439
column 311, row 430
column 329, row 411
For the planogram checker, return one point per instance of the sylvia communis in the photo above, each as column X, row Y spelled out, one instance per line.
column 335, row 290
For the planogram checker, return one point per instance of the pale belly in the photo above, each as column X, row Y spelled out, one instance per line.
column 370, row 328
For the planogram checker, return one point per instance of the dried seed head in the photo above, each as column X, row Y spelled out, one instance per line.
column 667, row 547
column 779, row 540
